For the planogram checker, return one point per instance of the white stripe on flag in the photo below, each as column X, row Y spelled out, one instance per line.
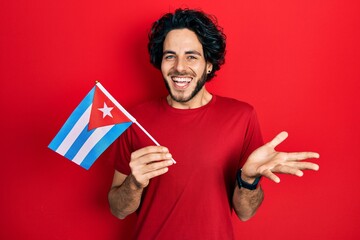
column 90, row 143
column 74, row 132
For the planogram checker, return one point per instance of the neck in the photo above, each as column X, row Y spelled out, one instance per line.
column 202, row 98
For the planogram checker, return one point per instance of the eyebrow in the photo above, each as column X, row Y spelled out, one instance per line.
column 187, row 52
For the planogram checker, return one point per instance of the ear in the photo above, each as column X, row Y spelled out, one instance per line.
column 209, row 67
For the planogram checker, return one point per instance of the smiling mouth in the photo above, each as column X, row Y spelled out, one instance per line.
column 181, row 82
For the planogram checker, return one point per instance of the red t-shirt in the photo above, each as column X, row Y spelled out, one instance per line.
column 193, row 199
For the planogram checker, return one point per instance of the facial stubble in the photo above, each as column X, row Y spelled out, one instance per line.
column 199, row 85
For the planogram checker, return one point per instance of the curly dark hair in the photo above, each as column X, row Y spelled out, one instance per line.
column 205, row 26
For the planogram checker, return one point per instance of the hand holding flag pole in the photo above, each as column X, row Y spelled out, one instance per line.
column 95, row 124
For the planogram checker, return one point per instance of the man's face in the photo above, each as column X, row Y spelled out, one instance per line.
column 183, row 65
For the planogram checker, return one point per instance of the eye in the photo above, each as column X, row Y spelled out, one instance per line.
column 191, row 57
column 169, row 57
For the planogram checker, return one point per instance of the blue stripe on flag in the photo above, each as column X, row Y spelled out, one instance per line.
column 103, row 144
column 70, row 122
column 78, row 143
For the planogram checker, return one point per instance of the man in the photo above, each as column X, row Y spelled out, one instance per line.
column 210, row 137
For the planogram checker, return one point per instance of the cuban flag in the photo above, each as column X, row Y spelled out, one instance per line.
column 95, row 124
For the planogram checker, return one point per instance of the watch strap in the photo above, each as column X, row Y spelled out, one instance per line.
column 243, row 184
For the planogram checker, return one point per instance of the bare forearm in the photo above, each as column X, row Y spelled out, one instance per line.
column 246, row 202
column 125, row 199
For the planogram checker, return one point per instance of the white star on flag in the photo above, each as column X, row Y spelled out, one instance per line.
column 106, row 110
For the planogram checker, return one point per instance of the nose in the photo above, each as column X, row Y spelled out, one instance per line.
column 180, row 65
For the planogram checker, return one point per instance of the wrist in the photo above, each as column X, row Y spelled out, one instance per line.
column 244, row 181
column 247, row 179
column 134, row 184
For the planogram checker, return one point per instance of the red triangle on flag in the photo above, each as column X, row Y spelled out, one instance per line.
column 104, row 112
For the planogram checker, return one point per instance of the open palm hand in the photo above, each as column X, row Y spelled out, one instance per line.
column 265, row 161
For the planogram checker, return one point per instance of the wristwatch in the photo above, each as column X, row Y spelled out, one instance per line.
column 243, row 184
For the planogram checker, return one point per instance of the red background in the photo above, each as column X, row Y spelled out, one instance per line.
column 296, row 61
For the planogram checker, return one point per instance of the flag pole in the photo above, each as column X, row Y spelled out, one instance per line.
column 148, row 134
column 117, row 104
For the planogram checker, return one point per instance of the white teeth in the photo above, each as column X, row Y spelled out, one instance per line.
column 181, row 84
column 181, row 80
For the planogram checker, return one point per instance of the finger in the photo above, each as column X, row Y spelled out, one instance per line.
column 278, row 139
column 148, row 159
column 268, row 174
column 156, row 173
column 154, row 157
column 285, row 169
column 156, row 166
column 142, row 180
column 304, row 165
column 142, row 173
column 295, row 156
column 147, row 150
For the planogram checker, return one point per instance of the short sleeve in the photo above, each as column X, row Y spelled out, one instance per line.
column 253, row 138
column 121, row 151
